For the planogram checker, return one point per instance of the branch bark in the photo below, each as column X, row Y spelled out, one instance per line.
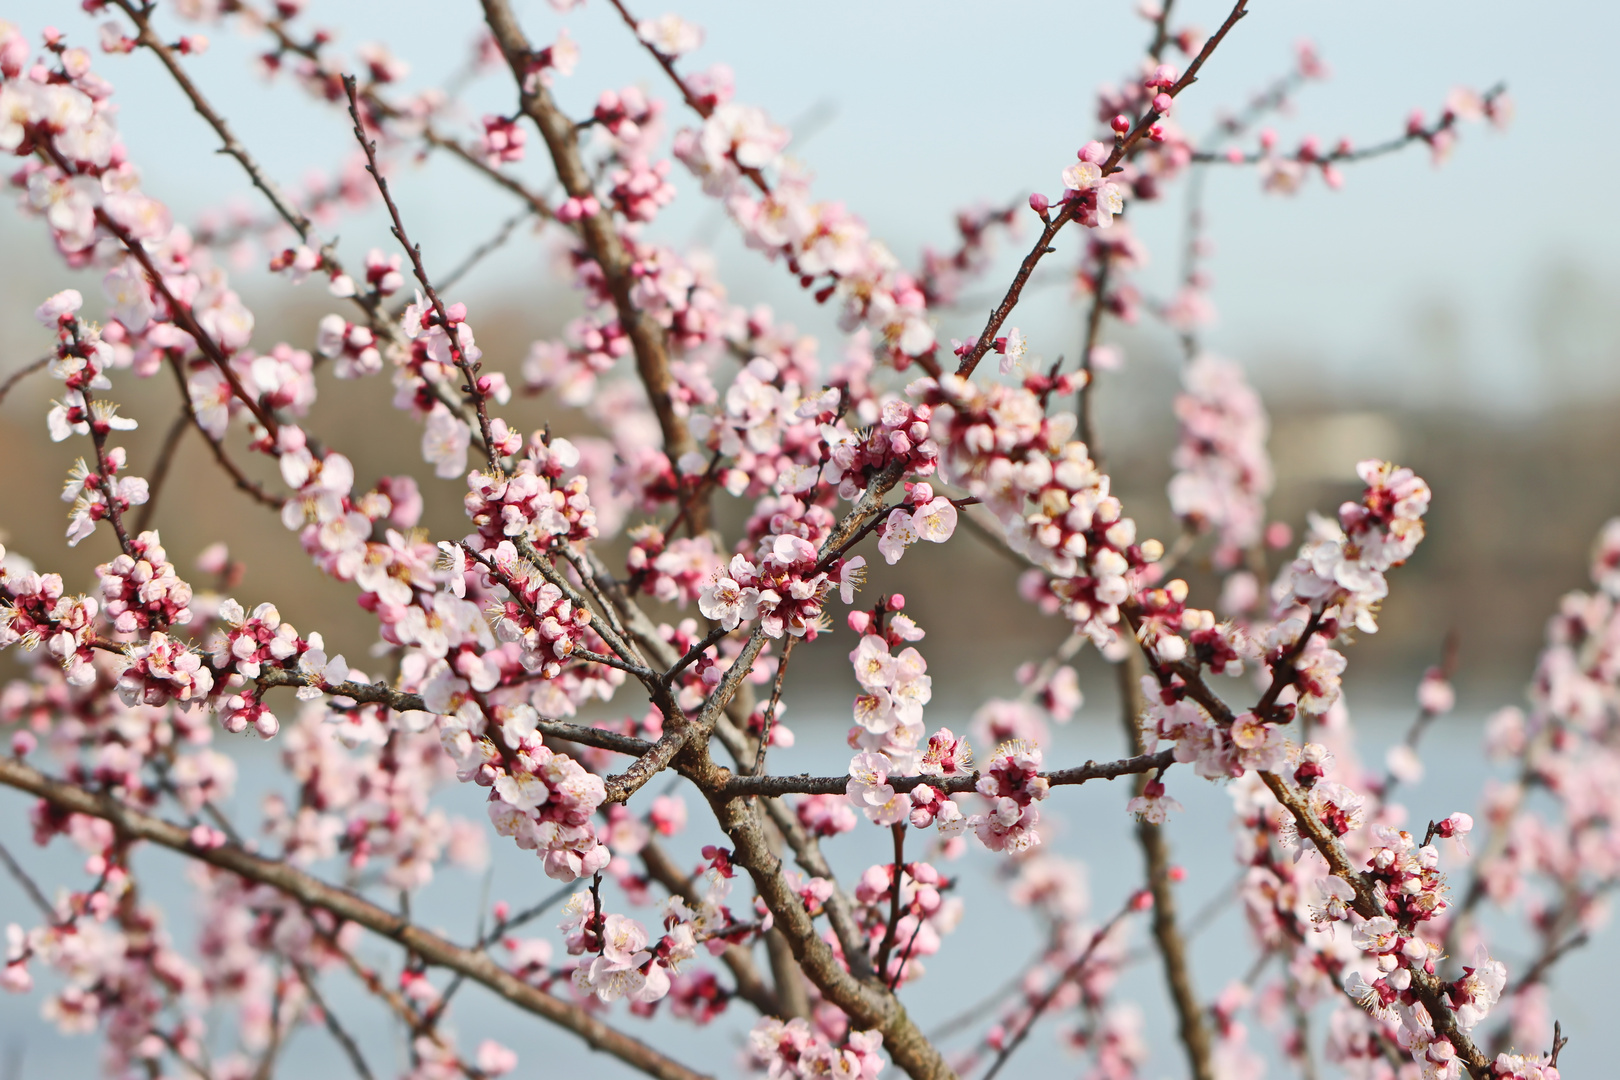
column 1156, row 855
column 315, row 893
column 598, row 233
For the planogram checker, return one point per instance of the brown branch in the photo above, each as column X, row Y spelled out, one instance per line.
column 776, row 786
column 1156, row 855
column 601, row 238
column 315, row 893
column 23, row 372
column 869, row 1004
column 160, row 470
column 840, row 912
column 241, row 479
column 340, row 1034
column 1069, row 974
column 1122, row 147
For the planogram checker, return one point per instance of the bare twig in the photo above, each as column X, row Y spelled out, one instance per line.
column 23, row 372
column 160, row 470
column 1069, row 974
column 770, row 709
column 899, row 866
column 28, row 885
column 351, row 1049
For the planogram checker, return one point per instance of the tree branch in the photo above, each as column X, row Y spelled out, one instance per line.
column 1156, row 855
column 315, row 893
column 1122, row 147
column 601, row 238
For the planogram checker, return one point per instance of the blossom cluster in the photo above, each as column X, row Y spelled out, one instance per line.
column 795, row 1051
column 544, row 800
column 1223, row 474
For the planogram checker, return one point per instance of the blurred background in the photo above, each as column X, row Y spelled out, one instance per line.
column 1459, row 319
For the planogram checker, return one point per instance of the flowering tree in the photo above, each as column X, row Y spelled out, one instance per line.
column 488, row 642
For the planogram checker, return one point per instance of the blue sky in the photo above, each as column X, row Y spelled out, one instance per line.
column 1412, row 282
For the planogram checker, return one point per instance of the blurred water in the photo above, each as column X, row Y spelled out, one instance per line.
column 994, row 939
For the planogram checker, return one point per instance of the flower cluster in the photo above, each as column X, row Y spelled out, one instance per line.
column 1094, row 199
column 142, row 591
column 796, row 1051
column 818, row 240
column 670, row 571
column 1342, row 565
column 902, row 432
column 1223, row 473
column 926, row 915
column 532, row 502
column 895, row 686
column 1410, row 891
column 351, row 348
column 1012, row 784
column 783, row 588
column 35, row 610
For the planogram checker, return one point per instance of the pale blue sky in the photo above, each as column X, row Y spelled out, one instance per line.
column 943, row 102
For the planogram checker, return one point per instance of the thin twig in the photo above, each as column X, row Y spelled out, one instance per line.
column 776, row 786
column 1099, row 301
column 1069, row 212
column 22, row 373
column 1071, row 973
column 160, row 470
column 20, row 876
column 104, row 476
column 1156, row 855
column 882, row 962
column 770, row 709
column 351, row 1049
column 217, row 447
column 488, row 247
column 468, row 367
column 345, row 905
